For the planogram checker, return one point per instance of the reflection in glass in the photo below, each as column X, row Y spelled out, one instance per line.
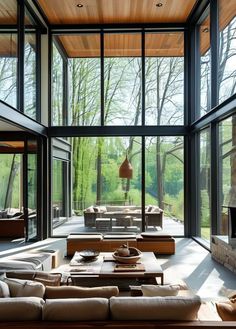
column 205, row 66
column 164, row 76
column 164, row 177
column 227, row 49
column 8, row 69
column 204, row 184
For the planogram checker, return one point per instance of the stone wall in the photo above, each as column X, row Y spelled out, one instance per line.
column 223, row 252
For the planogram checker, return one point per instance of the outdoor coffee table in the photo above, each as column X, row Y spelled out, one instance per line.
column 101, row 271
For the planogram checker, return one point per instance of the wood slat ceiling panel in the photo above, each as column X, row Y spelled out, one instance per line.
column 116, row 11
column 123, row 45
column 8, row 12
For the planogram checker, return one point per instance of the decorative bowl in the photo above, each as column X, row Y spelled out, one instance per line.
column 134, row 256
column 89, row 254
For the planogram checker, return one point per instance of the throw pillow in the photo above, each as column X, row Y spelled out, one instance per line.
column 226, row 310
column 25, row 288
column 80, row 292
column 102, row 208
column 4, row 290
column 89, row 209
column 150, row 290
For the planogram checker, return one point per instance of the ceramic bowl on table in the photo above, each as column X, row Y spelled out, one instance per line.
column 89, row 254
column 133, row 257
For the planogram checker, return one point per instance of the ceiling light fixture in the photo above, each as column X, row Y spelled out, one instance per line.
column 80, row 5
column 159, row 4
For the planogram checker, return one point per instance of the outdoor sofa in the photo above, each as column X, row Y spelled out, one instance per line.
column 153, row 214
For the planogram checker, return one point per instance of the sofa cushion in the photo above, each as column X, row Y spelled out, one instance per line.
column 226, row 310
column 25, row 288
column 155, row 235
column 150, row 290
column 21, row 309
column 154, row 308
column 89, row 209
column 87, row 237
column 4, row 290
column 48, row 279
column 76, row 309
column 80, row 292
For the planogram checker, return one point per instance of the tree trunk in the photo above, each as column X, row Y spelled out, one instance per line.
column 99, row 171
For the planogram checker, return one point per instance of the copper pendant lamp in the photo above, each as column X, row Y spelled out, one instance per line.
column 126, row 169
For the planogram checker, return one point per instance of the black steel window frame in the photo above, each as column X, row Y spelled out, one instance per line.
column 20, row 29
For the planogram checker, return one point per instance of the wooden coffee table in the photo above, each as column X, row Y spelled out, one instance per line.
column 101, row 271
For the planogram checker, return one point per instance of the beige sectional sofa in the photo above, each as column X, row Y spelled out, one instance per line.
column 29, row 304
column 153, row 214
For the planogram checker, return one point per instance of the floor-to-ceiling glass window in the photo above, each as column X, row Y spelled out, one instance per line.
column 204, row 184
column 109, row 92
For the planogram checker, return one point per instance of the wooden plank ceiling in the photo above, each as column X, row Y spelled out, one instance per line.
column 116, row 11
column 119, row 45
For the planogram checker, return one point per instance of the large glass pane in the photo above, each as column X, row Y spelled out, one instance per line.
column 205, row 66
column 164, row 177
column 227, row 49
column 122, row 79
column 30, row 75
column 11, row 190
column 60, row 190
column 102, row 201
column 30, row 67
column 11, row 193
column 227, row 176
column 164, row 77
column 204, row 184
column 84, row 78
column 32, row 189
column 8, row 68
column 57, row 87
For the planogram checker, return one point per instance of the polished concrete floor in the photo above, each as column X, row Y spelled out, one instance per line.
column 191, row 264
